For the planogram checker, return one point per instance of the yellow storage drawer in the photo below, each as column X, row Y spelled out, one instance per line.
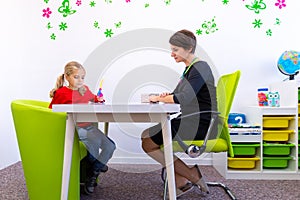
column 276, row 121
column 277, row 135
column 242, row 163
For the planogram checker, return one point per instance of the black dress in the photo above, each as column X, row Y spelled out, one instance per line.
column 194, row 92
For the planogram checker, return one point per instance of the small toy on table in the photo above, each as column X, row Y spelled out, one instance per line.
column 99, row 93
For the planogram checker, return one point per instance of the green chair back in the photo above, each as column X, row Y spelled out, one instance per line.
column 40, row 135
column 226, row 88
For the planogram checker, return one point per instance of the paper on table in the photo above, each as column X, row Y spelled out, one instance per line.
column 145, row 97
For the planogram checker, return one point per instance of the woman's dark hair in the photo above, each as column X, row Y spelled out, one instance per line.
column 185, row 39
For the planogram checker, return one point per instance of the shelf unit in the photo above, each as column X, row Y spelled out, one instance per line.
column 288, row 91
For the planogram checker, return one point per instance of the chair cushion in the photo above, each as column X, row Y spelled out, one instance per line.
column 215, row 145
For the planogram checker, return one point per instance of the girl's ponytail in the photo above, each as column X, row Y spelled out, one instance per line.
column 59, row 83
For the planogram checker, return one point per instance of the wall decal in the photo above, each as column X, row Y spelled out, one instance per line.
column 225, row 2
column 208, row 27
column 68, row 8
column 65, row 9
column 280, row 4
column 47, row 12
column 92, row 4
column 257, row 6
column 257, row 23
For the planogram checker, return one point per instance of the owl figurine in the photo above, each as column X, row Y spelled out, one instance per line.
column 273, row 99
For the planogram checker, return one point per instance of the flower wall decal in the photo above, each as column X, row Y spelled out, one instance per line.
column 68, row 8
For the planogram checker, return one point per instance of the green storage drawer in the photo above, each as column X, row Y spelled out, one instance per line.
column 276, row 162
column 273, row 149
column 245, row 149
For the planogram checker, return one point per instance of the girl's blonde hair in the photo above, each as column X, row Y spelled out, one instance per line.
column 69, row 70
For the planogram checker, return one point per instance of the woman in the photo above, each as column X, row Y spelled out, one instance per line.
column 195, row 92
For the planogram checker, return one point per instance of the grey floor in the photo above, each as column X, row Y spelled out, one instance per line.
column 128, row 182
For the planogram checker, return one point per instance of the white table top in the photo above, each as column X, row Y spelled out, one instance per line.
column 116, row 108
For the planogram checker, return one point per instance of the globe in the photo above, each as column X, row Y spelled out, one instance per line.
column 289, row 63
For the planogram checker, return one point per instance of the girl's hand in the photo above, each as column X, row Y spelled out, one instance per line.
column 100, row 99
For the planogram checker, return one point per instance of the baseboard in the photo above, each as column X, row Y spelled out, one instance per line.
column 204, row 159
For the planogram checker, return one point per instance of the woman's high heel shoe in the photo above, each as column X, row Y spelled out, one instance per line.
column 181, row 190
column 184, row 189
column 201, row 182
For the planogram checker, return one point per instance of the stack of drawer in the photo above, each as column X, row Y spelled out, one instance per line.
column 276, row 138
column 244, row 156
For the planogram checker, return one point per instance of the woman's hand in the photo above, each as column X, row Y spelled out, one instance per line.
column 165, row 97
column 154, row 98
column 164, row 94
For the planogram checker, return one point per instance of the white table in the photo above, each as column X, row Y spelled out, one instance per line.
column 117, row 113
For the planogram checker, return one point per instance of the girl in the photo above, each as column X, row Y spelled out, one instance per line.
column 89, row 134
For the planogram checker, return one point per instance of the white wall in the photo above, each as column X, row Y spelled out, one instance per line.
column 31, row 61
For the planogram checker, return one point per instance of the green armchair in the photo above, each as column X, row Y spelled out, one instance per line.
column 40, row 134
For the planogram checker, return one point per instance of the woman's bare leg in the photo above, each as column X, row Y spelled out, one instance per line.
column 183, row 173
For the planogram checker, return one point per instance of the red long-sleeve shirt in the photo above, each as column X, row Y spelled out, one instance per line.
column 65, row 95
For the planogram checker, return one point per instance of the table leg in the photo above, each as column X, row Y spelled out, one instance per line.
column 106, row 126
column 68, row 148
column 168, row 151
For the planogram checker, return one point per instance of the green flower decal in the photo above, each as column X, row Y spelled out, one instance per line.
column 118, row 25
column 167, row 2
column 208, row 27
column 269, row 32
column 92, row 3
column 199, row 32
column 257, row 23
column 277, row 21
column 49, row 25
column 108, row 33
column 225, row 2
column 96, row 25
column 63, row 26
column 52, row 36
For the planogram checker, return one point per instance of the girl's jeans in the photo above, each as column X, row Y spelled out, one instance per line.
column 99, row 146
